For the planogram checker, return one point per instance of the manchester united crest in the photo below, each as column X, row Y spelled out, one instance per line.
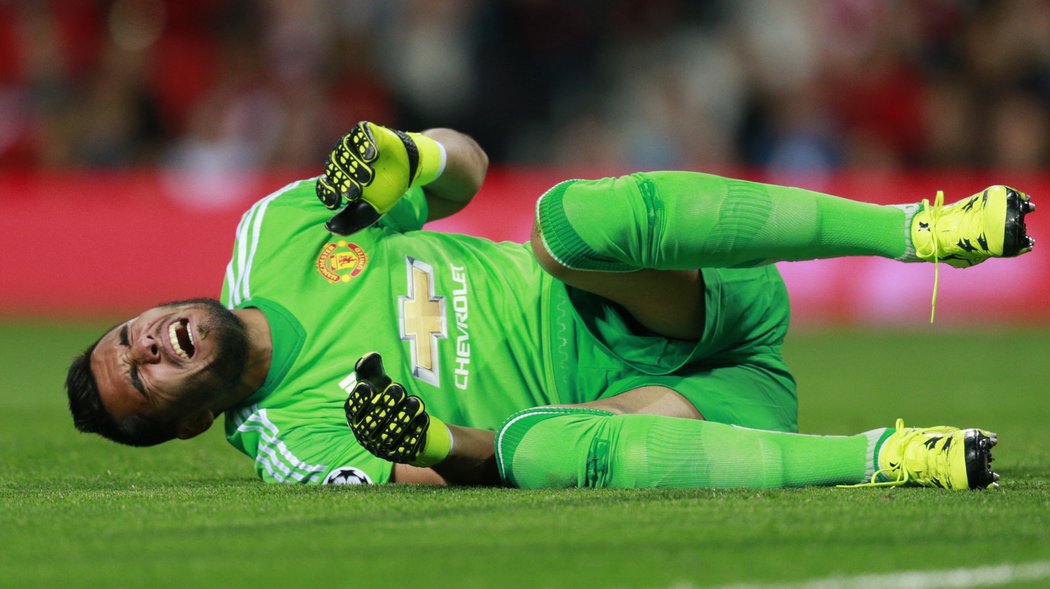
column 341, row 261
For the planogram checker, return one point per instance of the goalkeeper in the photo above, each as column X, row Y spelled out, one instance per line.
column 635, row 342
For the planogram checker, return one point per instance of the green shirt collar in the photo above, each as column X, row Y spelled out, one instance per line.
column 287, row 337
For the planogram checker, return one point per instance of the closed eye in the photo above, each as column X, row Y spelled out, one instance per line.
column 136, row 381
column 133, row 372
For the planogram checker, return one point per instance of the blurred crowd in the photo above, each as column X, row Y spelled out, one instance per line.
column 779, row 84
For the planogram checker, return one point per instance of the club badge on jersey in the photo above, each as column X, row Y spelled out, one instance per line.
column 341, row 261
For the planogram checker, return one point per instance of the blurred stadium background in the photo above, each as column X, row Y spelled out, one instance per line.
column 134, row 132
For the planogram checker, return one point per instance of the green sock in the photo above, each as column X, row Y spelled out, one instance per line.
column 687, row 220
column 570, row 447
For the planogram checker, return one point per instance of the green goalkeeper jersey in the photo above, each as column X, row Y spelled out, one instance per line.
column 464, row 323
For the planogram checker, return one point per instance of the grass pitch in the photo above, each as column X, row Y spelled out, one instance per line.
column 76, row 511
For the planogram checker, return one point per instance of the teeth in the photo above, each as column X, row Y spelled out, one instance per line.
column 174, row 338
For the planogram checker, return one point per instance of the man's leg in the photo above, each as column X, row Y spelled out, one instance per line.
column 588, row 446
column 674, row 222
column 688, row 220
column 629, row 441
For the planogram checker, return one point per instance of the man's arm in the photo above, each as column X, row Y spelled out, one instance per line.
column 395, row 426
column 371, row 168
column 465, row 169
column 471, row 461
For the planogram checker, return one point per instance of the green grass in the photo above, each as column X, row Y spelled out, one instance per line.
column 80, row 512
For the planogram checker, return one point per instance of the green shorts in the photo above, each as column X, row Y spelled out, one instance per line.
column 733, row 373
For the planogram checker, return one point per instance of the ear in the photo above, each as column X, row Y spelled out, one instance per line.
column 194, row 425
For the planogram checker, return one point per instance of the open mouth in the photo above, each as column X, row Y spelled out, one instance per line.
column 182, row 338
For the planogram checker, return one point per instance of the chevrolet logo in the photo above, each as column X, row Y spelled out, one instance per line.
column 422, row 321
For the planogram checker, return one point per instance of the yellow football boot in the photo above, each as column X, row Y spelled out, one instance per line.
column 945, row 457
column 989, row 224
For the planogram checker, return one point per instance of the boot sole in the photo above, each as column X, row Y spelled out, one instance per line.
column 1016, row 240
column 978, row 447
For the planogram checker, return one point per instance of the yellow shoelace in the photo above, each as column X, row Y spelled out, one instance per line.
column 935, row 210
column 874, row 480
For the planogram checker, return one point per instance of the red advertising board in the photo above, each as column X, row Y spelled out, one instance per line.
column 84, row 244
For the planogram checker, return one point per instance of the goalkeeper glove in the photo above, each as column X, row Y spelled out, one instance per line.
column 390, row 423
column 371, row 167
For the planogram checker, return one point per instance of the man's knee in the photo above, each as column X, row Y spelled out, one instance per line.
column 546, row 260
column 572, row 445
column 560, row 447
column 588, row 225
column 547, row 447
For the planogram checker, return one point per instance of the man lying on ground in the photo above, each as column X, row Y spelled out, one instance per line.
column 634, row 342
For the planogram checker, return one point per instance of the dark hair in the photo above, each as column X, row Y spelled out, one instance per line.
column 90, row 416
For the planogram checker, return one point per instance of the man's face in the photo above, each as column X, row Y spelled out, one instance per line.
column 171, row 361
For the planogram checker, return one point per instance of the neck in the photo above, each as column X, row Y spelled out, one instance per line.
column 260, row 351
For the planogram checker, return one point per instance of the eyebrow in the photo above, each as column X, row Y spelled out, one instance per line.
column 133, row 372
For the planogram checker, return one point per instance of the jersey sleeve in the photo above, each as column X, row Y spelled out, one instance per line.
column 310, row 452
column 409, row 214
column 297, row 211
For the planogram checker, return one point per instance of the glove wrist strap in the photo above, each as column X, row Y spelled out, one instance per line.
column 438, row 444
column 432, row 159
